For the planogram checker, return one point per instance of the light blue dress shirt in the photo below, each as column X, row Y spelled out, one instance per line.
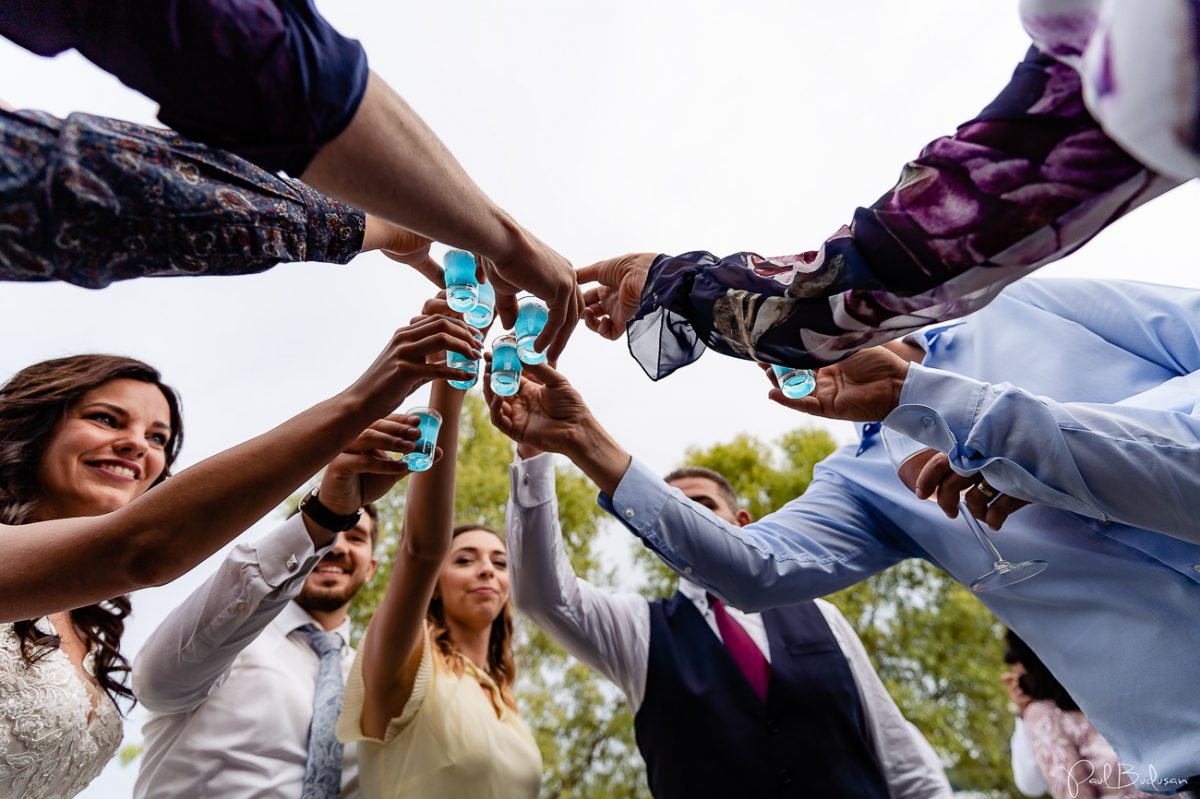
column 1116, row 616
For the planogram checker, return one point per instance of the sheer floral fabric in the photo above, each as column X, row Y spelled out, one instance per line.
column 57, row 729
column 1040, row 171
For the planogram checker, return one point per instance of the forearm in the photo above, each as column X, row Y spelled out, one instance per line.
column 173, row 527
column 963, row 221
column 597, row 454
column 391, row 651
column 170, row 207
column 608, row 631
column 388, row 162
column 1097, row 459
column 198, row 642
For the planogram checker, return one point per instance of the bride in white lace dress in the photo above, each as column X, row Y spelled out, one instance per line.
column 81, row 436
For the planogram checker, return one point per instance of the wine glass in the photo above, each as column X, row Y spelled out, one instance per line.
column 1003, row 572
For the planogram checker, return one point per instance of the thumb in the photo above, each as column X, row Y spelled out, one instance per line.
column 608, row 272
column 545, row 374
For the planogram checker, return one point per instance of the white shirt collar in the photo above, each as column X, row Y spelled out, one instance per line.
column 293, row 617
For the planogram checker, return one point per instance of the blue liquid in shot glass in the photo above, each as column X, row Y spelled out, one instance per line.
column 506, row 368
column 421, row 458
column 462, row 288
column 531, row 320
column 795, row 383
column 468, row 366
column 484, row 310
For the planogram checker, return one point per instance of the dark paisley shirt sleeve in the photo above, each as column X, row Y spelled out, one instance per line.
column 1026, row 182
column 90, row 200
column 270, row 80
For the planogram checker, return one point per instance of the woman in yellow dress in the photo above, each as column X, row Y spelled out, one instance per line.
column 429, row 699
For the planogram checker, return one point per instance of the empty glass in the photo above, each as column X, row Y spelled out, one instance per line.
column 531, row 320
column 794, row 383
column 901, row 449
column 506, row 366
column 430, row 421
column 484, row 310
column 462, row 288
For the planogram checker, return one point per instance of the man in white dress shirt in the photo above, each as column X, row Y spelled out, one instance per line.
column 231, row 674
column 826, row 723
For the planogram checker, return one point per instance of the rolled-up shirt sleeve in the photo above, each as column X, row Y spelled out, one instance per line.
column 270, row 80
column 1100, row 460
column 825, row 540
column 1027, row 181
column 191, row 651
column 91, row 200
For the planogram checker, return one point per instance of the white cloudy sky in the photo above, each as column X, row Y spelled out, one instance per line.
column 605, row 127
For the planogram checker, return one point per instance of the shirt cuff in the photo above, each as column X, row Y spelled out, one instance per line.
column 639, row 500
column 333, row 230
column 288, row 552
column 533, row 480
column 947, row 428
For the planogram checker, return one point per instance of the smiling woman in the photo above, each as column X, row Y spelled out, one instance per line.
column 82, row 436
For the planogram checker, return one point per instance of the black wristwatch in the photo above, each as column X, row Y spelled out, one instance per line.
column 311, row 507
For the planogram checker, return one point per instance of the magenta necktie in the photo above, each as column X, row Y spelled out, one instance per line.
column 745, row 653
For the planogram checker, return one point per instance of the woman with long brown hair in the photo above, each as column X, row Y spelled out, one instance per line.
column 82, row 440
column 430, row 697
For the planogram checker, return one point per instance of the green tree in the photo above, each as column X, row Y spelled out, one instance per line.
column 938, row 649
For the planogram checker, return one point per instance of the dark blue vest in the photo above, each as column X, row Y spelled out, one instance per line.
column 704, row 733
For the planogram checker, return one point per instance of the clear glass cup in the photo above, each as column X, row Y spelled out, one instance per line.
column 531, row 320
column 506, row 366
column 430, row 422
column 794, row 383
column 901, row 451
column 462, row 287
column 484, row 310
column 466, row 364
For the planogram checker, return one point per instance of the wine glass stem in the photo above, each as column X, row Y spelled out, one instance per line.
column 985, row 540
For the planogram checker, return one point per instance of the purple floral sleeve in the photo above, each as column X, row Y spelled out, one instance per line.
column 1026, row 182
column 90, row 200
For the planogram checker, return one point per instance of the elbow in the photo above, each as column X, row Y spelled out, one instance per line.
column 150, row 562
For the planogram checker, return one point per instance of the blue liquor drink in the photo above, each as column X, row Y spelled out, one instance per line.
column 795, row 383
column 430, row 421
column 481, row 314
column 531, row 320
column 506, row 366
column 462, row 288
column 469, row 366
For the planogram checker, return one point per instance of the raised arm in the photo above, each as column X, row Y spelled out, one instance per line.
column 1029, row 180
column 173, row 527
column 608, row 631
column 821, row 542
column 394, row 642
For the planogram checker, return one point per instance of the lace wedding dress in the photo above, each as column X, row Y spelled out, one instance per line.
column 57, row 729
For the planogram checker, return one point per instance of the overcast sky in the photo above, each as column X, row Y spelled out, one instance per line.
column 604, row 127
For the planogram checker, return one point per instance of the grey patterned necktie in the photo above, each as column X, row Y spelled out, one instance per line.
column 323, row 771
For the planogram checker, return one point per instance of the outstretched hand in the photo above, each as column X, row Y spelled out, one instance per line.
column 608, row 306
column 404, row 246
column 541, row 271
column 863, row 388
column 546, row 413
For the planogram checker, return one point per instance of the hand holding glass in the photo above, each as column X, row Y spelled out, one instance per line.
column 1003, row 573
column 462, row 287
column 506, row 366
column 466, row 364
column 429, row 422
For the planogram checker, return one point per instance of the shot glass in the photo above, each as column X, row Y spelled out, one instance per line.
column 506, row 366
column 468, row 365
column 462, row 288
column 482, row 313
column 531, row 320
column 795, row 383
column 430, row 421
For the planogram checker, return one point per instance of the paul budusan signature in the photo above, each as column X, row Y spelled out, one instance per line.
column 1122, row 775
